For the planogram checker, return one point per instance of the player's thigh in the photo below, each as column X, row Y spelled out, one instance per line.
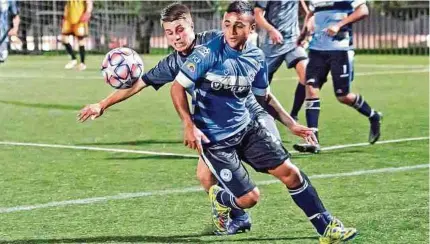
column 261, row 149
column 317, row 68
column 341, row 68
column 273, row 64
column 80, row 30
column 225, row 165
column 293, row 57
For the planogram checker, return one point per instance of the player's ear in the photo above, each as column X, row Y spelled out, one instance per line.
column 253, row 27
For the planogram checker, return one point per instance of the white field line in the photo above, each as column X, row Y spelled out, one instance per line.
column 370, row 73
column 71, row 77
column 123, row 196
column 118, row 150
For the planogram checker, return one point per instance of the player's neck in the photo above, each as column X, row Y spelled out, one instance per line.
column 189, row 50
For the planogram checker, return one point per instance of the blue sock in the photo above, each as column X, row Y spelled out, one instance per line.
column 299, row 98
column 227, row 199
column 306, row 197
column 235, row 213
column 364, row 108
column 313, row 113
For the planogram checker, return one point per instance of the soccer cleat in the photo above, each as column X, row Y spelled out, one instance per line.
column 71, row 64
column 307, row 148
column 241, row 224
column 336, row 233
column 81, row 67
column 220, row 212
column 375, row 128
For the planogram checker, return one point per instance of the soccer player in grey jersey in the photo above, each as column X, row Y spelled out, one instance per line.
column 280, row 20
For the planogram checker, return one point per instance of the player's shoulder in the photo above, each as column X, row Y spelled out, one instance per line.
column 207, row 36
column 210, row 48
column 254, row 51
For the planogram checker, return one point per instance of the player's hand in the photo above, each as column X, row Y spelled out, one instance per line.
column 92, row 111
column 304, row 132
column 276, row 36
column 13, row 32
column 332, row 30
column 85, row 17
column 193, row 138
column 301, row 39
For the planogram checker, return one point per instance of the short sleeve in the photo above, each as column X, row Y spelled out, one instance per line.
column 196, row 66
column 357, row 3
column 260, row 85
column 261, row 4
column 13, row 8
column 164, row 72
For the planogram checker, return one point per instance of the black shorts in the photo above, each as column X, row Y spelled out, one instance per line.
column 339, row 63
column 254, row 145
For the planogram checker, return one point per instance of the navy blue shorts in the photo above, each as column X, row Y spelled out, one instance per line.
column 254, row 145
column 339, row 63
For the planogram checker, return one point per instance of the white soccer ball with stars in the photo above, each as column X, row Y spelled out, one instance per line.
column 122, row 67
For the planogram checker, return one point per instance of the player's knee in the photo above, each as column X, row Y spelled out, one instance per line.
column 205, row 177
column 347, row 99
column 311, row 92
column 65, row 39
column 288, row 173
column 81, row 41
column 250, row 199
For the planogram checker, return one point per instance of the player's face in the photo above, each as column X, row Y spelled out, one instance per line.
column 179, row 34
column 236, row 28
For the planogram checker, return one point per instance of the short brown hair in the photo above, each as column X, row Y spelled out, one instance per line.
column 174, row 11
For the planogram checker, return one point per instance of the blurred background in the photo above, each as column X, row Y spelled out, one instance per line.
column 398, row 27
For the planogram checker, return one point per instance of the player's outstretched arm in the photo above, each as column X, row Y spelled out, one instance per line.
column 272, row 105
column 192, row 135
column 361, row 11
column 95, row 110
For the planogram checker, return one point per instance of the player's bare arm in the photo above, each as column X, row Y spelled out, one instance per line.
column 359, row 13
column 275, row 35
column 192, row 136
column 275, row 109
column 305, row 30
column 15, row 25
column 95, row 110
column 88, row 10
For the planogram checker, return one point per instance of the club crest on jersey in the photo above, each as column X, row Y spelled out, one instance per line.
column 191, row 67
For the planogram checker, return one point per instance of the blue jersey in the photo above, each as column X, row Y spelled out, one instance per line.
column 222, row 79
column 167, row 69
column 284, row 16
column 8, row 10
column 328, row 13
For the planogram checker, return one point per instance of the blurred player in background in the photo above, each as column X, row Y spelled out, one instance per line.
column 77, row 13
column 280, row 20
column 179, row 30
column 9, row 24
column 332, row 50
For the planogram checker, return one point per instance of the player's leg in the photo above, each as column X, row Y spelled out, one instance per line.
column 235, row 190
column 306, row 197
column 266, row 154
column 316, row 75
column 342, row 73
column 273, row 64
column 298, row 59
column 3, row 52
column 207, row 180
column 66, row 31
column 81, row 32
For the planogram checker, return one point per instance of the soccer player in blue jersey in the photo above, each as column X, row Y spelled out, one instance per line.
column 331, row 50
column 178, row 26
column 280, row 20
column 222, row 74
column 8, row 11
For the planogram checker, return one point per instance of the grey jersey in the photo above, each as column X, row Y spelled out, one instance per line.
column 284, row 16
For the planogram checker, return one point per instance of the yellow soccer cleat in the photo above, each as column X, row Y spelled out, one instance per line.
column 336, row 233
column 220, row 213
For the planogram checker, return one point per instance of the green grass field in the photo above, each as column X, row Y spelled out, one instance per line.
column 39, row 102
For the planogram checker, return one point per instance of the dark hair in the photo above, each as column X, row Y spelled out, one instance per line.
column 174, row 11
column 240, row 7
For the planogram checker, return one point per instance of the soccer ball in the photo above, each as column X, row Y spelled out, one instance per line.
column 122, row 67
